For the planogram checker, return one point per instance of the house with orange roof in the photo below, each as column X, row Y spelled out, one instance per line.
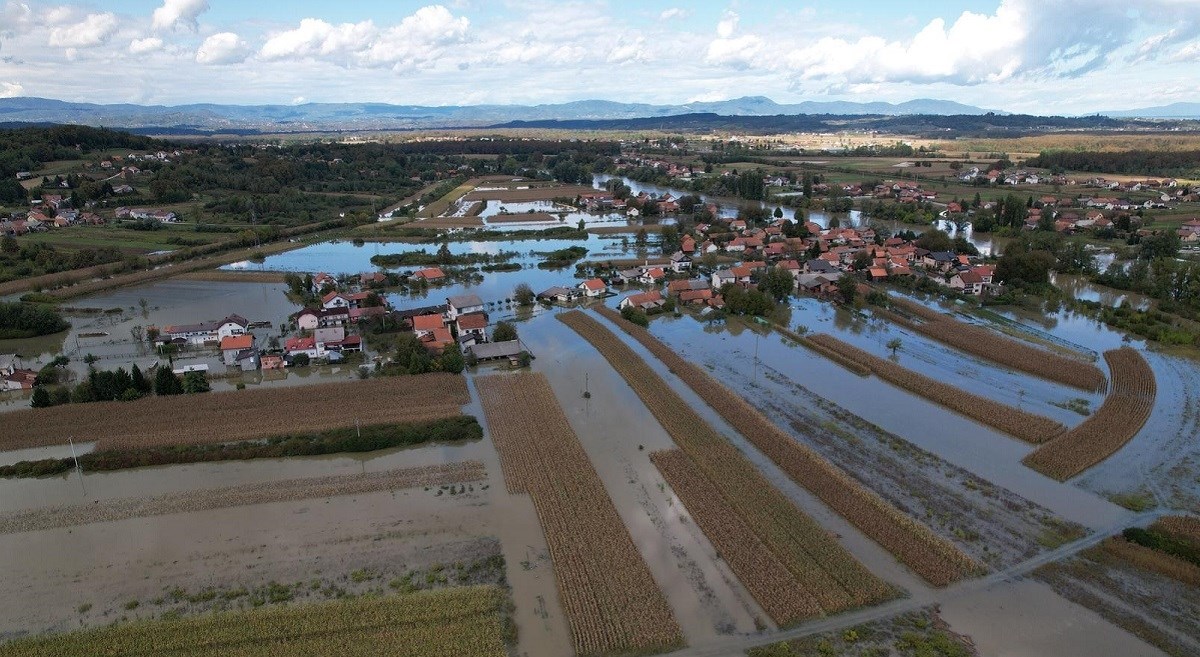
column 431, row 274
column 593, row 287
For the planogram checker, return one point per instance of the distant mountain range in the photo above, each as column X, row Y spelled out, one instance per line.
column 1172, row 111
column 209, row 118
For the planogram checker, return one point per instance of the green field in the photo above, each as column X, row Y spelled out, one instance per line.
column 132, row 241
column 464, row 621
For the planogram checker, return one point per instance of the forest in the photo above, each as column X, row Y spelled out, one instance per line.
column 1184, row 164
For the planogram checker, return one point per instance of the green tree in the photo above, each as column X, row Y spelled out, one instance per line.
column 635, row 315
column 166, row 382
column 301, row 360
column 194, row 382
column 894, row 344
column 8, row 244
column 138, row 380
column 641, row 238
column 41, row 398
column 778, row 283
column 504, row 332
column 452, row 360
column 847, row 287
column 778, row 212
column 523, row 294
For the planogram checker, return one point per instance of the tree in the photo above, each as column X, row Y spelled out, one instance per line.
column 523, row 294
column 8, row 244
column 894, row 344
column 635, row 315
column 778, row 212
column 847, row 287
column 778, row 283
column 504, row 332
column 418, row 362
column 138, row 333
column 452, row 360
column 862, row 260
column 138, row 381
column 41, row 398
column 301, row 360
column 166, row 382
column 194, row 382
column 935, row 240
column 1025, row 268
column 641, row 238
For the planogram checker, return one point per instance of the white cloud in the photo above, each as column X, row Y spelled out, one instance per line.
column 15, row 18
column 418, row 39
column 730, row 50
column 673, row 12
column 93, row 31
column 222, row 48
column 178, row 13
column 316, row 38
column 11, row 89
column 143, row 46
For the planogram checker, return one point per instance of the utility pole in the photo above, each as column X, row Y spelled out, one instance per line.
column 78, row 468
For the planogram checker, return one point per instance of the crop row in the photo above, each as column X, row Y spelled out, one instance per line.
column 242, row 495
column 819, row 564
column 803, row 341
column 1183, row 528
column 611, row 601
column 1123, row 413
column 935, row 559
column 992, row 346
column 1153, row 560
column 1015, row 422
column 452, row 621
column 751, row 561
column 220, row 417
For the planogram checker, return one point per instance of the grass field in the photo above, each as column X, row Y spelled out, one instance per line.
column 469, row 621
column 131, row 241
column 442, row 204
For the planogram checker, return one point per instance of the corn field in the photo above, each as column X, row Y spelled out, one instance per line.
column 611, row 601
column 935, row 559
column 764, row 576
column 981, row 342
column 220, row 417
column 467, row 621
column 1027, row 426
column 817, row 562
column 1123, row 413
column 285, row 490
column 1152, row 560
column 1184, row 528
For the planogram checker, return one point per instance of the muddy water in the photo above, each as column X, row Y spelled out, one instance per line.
column 875, row 558
column 619, row 432
column 978, row 449
column 70, row 488
column 49, row 574
column 1027, row 619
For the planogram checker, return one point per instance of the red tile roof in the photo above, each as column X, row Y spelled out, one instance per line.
column 239, row 342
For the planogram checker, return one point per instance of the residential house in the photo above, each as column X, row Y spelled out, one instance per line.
column 968, row 282
column 424, row 325
column 722, row 277
column 627, row 276
column 300, row 345
column 462, row 304
column 557, row 293
column 430, row 274
column 233, row 345
column 204, row 332
column 335, row 299
column 646, row 301
column 271, row 362
column 368, row 312
column 652, row 276
column 593, row 287
column 327, row 335
column 942, row 261
column 680, row 262
column 509, row 349
column 322, row 281
column 472, row 328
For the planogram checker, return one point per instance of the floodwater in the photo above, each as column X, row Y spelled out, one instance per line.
column 1026, row 618
column 619, row 433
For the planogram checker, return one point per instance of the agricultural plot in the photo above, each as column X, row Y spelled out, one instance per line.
column 1029, row 427
column 1116, row 422
column 755, row 566
column 992, row 346
column 454, row 621
column 1183, row 528
column 523, row 218
column 611, row 601
column 1127, row 586
column 230, row 496
column 222, row 417
column 936, row 560
column 814, row 558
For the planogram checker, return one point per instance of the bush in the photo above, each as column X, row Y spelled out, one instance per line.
column 23, row 320
column 635, row 315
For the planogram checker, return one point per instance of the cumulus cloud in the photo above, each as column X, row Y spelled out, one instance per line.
column 178, row 13
column 415, row 41
column 15, row 18
column 143, row 46
column 222, row 48
column 94, row 30
column 11, row 89
column 673, row 12
column 730, row 50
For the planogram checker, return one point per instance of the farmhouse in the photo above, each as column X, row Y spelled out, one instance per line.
column 431, row 274
column 557, row 293
column 646, row 301
column 472, row 328
column 204, row 332
column 593, row 287
column 233, row 346
column 463, row 304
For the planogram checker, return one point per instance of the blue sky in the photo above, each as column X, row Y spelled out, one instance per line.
column 1039, row 56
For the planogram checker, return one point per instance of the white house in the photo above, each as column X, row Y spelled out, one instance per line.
column 680, row 262
column 462, row 304
column 593, row 287
column 335, row 300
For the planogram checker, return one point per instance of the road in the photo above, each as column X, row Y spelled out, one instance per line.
column 736, row 645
